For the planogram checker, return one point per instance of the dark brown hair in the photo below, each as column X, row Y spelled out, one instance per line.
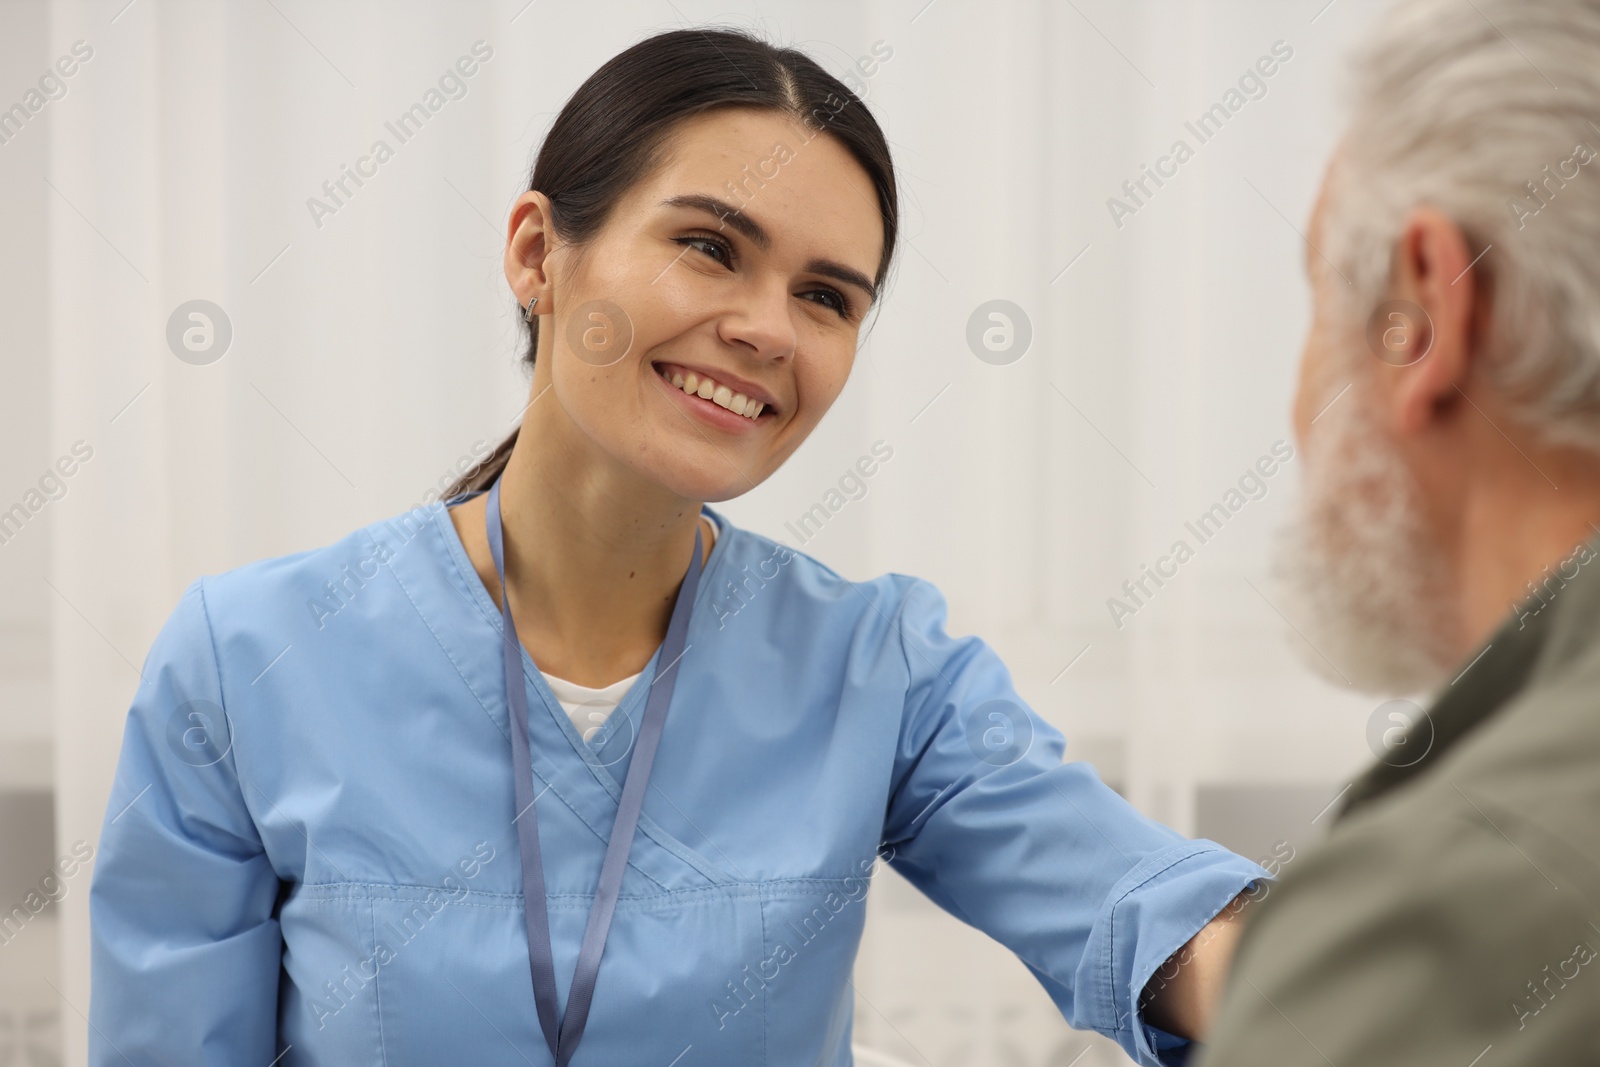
column 613, row 133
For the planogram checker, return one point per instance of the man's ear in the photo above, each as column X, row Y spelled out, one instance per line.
column 1431, row 270
column 529, row 238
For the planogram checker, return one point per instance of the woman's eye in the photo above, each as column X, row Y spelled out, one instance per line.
column 720, row 246
column 834, row 300
column 722, row 252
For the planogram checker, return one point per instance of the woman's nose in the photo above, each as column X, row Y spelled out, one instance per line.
column 762, row 317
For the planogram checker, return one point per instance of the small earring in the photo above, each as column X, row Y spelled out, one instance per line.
column 527, row 315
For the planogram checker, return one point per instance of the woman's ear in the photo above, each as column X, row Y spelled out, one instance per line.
column 1432, row 311
column 530, row 235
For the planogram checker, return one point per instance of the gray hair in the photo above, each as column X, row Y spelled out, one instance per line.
column 1487, row 110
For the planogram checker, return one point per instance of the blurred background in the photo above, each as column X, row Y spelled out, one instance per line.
column 1142, row 362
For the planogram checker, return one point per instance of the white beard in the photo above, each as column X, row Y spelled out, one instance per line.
column 1355, row 565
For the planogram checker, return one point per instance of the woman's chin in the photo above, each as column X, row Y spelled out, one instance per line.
column 712, row 486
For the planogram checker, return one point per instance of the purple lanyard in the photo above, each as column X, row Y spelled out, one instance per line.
column 563, row 1032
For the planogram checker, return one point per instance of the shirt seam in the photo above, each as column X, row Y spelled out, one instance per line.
column 760, row 886
column 377, row 979
column 766, row 1006
column 905, row 662
column 231, row 756
column 447, row 653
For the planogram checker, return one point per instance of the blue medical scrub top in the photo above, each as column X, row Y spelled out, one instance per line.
column 308, row 852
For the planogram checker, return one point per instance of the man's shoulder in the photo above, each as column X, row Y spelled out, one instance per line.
column 1418, row 935
column 1536, row 762
column 1446, row 916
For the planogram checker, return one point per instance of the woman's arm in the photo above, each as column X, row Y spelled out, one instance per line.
column 185, row 949
column 991, row 823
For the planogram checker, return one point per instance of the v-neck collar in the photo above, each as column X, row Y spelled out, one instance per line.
column 431, row 559
column 608, row 773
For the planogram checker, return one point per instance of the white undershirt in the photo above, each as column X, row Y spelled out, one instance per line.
column 587, row 707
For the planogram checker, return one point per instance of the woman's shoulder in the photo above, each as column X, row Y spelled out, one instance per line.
column 752, row 563
column 310, row 585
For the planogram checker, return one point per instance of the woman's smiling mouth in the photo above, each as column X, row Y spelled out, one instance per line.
column 697, row 385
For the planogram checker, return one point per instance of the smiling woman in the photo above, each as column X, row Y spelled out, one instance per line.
column 694, row 273
column 667, row 887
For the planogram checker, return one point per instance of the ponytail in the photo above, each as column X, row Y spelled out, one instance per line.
column 482, row 475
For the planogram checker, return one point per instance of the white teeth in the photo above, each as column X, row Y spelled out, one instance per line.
column 721, row 395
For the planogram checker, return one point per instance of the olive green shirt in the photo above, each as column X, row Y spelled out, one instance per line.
column 1452, row 915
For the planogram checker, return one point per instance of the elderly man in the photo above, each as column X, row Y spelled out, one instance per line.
column 1449, row 421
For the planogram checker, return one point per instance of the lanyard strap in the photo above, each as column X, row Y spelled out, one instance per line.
column 563, row 1032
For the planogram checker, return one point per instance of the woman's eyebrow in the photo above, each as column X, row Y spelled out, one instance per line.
column 757, row 233
column 725, row 212
column 841, row 273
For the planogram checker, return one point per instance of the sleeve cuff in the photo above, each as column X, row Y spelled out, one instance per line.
column 1151, row 913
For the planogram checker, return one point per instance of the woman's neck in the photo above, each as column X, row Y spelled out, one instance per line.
column 594, row 554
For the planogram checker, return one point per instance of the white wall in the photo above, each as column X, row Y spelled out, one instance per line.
column 370, row 353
